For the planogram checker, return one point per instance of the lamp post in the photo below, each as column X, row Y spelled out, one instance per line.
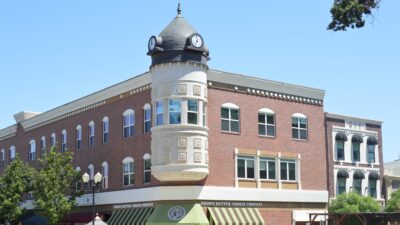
column 94, row 186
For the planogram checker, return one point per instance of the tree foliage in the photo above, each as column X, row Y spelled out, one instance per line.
column 353, row 203
column 54, row 187
column 14, row 183
column 393, row 204
column 351, row 13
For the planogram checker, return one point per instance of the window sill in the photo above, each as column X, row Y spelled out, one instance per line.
column 268, row 137
column 300, row 140
column 246, row 179
column 289, row 181
column 230, row 132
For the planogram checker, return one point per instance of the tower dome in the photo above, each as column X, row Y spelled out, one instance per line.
column 178, row 42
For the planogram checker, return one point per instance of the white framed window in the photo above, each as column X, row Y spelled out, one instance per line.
column 104, row 171
column 159, row 113
column 372, row 188
column 193, row 111
column 356, row 141
column 340, row 150
column 91, row 171
column 146, row 118
column 129, row 123
column 230, row 118
column 91, row 134
column 357, row 185
column 204, row 114
column 78, row 182
column 53, row 139
column 299, row 126
column 146, row 169
column 12, row 153
column 106, row 130
column 128, row 171
column 174, row 110
column 32, row 150
column 78, row 137
column 288, row 170
column 266, row 122
column 63, row 141
column 43, row 145
column 245, row 167
column 3, row 154
column 267, row 169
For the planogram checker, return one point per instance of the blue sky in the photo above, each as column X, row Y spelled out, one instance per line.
column 52, row 52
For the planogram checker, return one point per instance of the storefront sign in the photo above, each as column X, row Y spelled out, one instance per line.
column 176, row 213
column 133, row 205
column 230, row 204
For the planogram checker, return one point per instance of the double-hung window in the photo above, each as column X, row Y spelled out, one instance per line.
column 32, row 150
column 106, row 130
column 43, row 145
column 193, row 111
column 78, row 137
column 3, row 155
column 356, row 151
column 12, row 153
column 266, row 122
column 63, row 141
column 159, row 113
column 91, row 134
column 372, row 187
column 341, row 186
column 204, row 114
column 299, row 127
column 174, row 111
column 53, row 139
column 357, row 185
column 339, row 149
column 288, row 170
column 230, row 118
column 104, row 182
column 245, row 167
column 146, row 169
column 147, row 118
column 267, row 169
column 128, row 171
column 129, row 123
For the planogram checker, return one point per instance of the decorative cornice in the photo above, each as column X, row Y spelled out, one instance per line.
column 347, row 131
column 170, row 64
column 265, row 93
column 353, row 168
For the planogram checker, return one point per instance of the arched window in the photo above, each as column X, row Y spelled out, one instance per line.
column 129, row 123
column 12, row 153
column 91, row 171
column 299, row 126
column 78, row 137
column 174, row 110
column 3, row 155
column 78, row 182
column 340, row 138
column 63, row 141
column 159, row 113
column 372, row 180
column 104, row 168
column 43, row 145
column 32, row 150
column 128, row 171
column 91, row 134
column 53, row 139
column 371, row 144
column 106, row 130
column 356, row 141
column 146, row 169
column 266, row 122
column 230, row 118
column 146, row 118
column 342, row 176
column 358, row 176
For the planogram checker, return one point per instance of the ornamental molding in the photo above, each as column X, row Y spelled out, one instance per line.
column 348, row 131
column 352, row 169
column 265, row 93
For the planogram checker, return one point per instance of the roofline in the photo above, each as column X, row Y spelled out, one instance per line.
column 260, row 83
column 88, row 100
column 345, row 117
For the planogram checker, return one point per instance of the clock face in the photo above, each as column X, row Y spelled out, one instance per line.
column 152, row 43
column 197, row 41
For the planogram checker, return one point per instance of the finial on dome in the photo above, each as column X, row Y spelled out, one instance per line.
column 179, row 8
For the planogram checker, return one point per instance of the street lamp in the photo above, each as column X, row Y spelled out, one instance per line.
column 94, row 186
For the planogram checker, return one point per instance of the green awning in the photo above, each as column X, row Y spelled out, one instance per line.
column 130, row 216
column 235, row 216
column 184, row 214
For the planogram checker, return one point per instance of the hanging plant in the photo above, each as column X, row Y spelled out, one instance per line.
column 351, row 13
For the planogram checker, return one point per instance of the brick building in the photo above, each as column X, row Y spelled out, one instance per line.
column 203, row 146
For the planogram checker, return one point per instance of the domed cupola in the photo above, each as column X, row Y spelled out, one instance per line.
column 178, row 42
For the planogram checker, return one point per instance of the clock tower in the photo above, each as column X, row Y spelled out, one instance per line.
column 179, row 144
